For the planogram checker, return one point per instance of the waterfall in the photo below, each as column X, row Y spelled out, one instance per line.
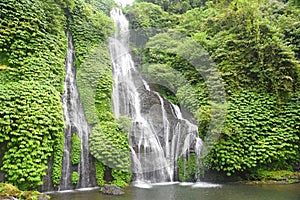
column 75, row 123
column 160, row 134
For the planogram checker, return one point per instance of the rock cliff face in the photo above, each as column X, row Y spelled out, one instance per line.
column 175, row 137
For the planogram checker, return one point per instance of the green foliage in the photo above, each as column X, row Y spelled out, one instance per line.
column 295, row 2
column 88, row 77
column 192, row 21
column 288, row 23
column 246, row 40
column 57, row 159
column 147, row 19
column 187, row 168
column 66, row 4
column 280, row 175
column 76, row 149
column 124, row 123
column 177, row 73
column 110, row 146
column 104, row 6
column 92, row 55
column 33, row 42
column 258, row 134
column 4, row 67
column 89, row 27
column 100, row 170
column 176, row 6
column 121, row 178
column 203, row 115
column 103, row 96
column 146, row 15
column 164, row 75
column 255, row 47
column 33, row 45
column 75, row 177
column 30, row 124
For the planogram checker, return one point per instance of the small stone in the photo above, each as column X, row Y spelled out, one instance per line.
column 112, row 190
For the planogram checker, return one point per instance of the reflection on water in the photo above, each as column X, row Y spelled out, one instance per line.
column 187, row 192
column 155, row 193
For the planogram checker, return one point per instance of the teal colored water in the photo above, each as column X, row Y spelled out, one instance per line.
column 178, row 192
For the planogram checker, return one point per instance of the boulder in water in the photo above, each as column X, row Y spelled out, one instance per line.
column 112, row 190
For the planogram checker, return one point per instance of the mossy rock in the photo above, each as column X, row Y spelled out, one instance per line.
column 30, row 195
column 9, row 190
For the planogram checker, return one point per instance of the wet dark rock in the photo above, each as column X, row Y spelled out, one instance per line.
column 112, row 190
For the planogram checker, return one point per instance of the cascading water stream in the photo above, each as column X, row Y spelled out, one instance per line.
column 159, row 135
column 75, row 123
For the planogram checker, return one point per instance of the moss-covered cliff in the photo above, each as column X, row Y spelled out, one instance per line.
column 33, row 47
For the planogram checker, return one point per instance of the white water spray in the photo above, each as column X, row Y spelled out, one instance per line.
column 159, row 132
column 75, row 123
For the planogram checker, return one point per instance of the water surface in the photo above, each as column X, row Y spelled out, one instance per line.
column 189, row 192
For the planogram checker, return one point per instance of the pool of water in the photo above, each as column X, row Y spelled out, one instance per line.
column 186, row 191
